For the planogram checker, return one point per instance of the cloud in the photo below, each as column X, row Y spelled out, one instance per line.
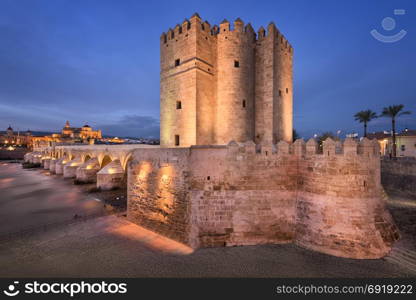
column 133, row 126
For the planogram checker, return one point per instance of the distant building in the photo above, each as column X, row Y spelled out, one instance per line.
column 12, row 138
column 83, row 133
column 69, row 135
column 405, row 141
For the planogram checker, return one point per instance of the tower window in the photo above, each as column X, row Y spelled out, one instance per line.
column 177, row 140
column 287, row 90
column 178, row 105
column 180, row 29
column 236, row 64
column 244, row 103
column 177, row 62
column 280, row 92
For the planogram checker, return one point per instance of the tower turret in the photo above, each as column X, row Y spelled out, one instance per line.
column 187, row 85
column 235, row 84
column 274, row 88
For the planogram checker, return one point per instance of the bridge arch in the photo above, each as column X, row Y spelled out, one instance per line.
column 105, row 160
column 125, row 161
column 86, row 157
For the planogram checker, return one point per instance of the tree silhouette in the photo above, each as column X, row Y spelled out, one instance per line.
column 394, row 112
column 365, row 116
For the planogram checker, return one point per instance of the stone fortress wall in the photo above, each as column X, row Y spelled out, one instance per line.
column 236, row 178
column 232, row 195
column 328, row 200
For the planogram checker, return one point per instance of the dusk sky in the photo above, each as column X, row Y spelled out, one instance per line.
column 97, row 61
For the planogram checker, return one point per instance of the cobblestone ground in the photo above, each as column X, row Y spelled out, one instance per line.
column 111, row 246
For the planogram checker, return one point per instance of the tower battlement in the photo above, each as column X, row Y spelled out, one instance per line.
column 183, row 30
column 349, row 148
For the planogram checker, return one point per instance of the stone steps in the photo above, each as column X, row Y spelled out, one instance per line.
column 403, row 257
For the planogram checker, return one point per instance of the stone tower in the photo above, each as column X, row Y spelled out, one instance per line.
column 220, row 84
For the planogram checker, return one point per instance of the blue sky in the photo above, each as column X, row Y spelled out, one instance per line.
column 98, row 61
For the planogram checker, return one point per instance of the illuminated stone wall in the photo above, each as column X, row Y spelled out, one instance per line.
column 273, row 88
column 328, row 199
column 231, row 84
column 234, row 195
column 158, row 192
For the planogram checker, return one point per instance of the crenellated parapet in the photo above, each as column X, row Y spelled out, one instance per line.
column 322, row 197
column 348, row 148
column 195, row 23
column 274, row 35
column 194, row 29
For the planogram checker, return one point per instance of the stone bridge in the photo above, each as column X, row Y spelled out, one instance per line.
column 106, row 165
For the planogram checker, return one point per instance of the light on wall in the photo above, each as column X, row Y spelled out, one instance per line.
column 111, row 170
column 145, row 169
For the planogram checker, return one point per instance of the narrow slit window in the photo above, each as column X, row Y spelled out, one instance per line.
column 287, row 90
column 178, row 105
column 177, row 140
column 280, row 92
column 177, row 62
column 244, row 103
column 236, row 64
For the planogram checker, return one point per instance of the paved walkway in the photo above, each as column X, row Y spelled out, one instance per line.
column 111, row 246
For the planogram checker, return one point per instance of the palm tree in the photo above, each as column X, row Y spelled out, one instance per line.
column 365, row 116
column 394, row 112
